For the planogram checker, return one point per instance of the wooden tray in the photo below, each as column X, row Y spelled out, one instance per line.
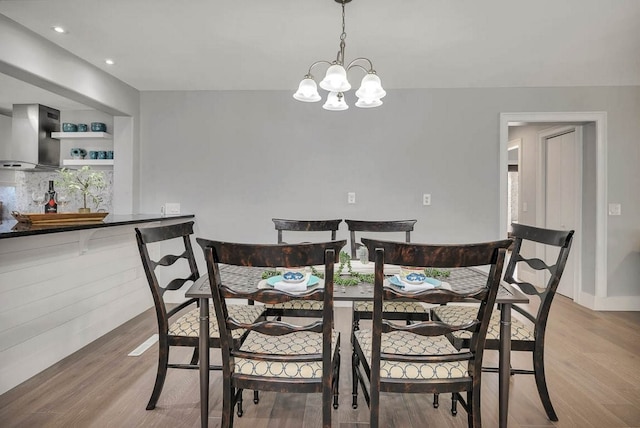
column 59, row 218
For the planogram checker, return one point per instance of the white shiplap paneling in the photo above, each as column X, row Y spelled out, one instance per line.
column 56, row 298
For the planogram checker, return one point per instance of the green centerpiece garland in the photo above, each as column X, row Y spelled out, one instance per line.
column 355, row 278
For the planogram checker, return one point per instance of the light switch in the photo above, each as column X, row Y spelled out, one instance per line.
column 615, row 209
column 170, row 208
column 351, row 197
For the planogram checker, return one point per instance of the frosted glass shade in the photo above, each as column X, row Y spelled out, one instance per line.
column 335, row 103
column 364, row 103
column 307, row 91
column 370, row 88
column 336, row 79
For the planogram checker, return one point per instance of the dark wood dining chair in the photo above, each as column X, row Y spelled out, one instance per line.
column 396, row 310
column 300, row 308
column 418, row 358
column 283, row 225
column 276, row 356
column 527, row 336
column 354, row 226
column 178, row 326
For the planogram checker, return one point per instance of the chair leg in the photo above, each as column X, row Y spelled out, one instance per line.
column 195, row 357
column 163, row 360
column 354, row 380
column 454, row 404
column 239, row 411
column 374, row 408
column 473, row 404
column 327, row 394
column 541, row 383
column 227, row 404
column 336, row 381
column 356, row 321
column 256, row 397
column 436, row 400
column 409, row 319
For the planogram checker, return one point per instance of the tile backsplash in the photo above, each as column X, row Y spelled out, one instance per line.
column 19, row 197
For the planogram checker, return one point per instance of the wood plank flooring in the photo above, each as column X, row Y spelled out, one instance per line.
column 593, row 369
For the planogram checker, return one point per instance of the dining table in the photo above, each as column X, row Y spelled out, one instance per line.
column 460, row 280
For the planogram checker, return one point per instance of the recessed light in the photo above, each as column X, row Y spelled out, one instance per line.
column 59, row 29
column 109, row 61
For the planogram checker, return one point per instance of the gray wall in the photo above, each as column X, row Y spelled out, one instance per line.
column 238, row 158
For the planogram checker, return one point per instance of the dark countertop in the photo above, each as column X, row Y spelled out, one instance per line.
column 13, row 229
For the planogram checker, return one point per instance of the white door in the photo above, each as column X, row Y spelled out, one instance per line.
column 561, row 190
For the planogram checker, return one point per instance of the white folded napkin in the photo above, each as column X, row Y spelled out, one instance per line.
column 291, row 286
column 414, row 287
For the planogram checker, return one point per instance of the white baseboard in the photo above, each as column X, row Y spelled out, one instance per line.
column 612, row 303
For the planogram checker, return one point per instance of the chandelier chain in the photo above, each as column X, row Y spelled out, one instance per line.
column 343, row 36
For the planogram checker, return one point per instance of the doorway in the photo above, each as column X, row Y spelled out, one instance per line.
column 589, row 278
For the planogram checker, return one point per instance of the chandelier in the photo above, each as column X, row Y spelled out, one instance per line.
column 335, row 81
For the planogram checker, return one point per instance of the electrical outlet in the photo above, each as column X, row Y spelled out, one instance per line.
column 351, row 197
column 426, row 199
column 170, row 208
column 615, row 209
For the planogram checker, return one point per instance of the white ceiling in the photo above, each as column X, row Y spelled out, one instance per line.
column 269, row 44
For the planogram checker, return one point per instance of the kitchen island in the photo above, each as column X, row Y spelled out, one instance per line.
column 62, row 287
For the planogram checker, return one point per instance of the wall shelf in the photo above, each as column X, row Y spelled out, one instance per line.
column 97, row 135
column 90, row 162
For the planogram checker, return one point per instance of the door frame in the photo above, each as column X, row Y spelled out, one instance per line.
column 516, row 143
column 541, row 200
column 600, row 119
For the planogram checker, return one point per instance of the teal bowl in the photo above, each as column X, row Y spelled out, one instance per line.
column 69, row 127
column 98, row 127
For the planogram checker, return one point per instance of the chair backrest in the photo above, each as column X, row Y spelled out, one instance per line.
column 306, row 226
column 179, row 232
column 377, row 226
column 271, row 257
column 560, row 239
column 434, row 256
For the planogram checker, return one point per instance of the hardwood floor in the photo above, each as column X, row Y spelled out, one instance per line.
column 593, row 365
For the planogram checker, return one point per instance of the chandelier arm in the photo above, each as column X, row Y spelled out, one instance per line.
column 353, row 64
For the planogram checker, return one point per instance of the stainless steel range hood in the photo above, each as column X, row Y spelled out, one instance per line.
column 32, row 147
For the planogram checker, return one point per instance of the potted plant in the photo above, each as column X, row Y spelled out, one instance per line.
column 89, row 183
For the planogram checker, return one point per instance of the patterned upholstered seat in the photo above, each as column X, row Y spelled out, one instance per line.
column 457, row 314
column 404, row 307
column 296, row 305
column 303, row 343
column 406, row 343
column 188, row 325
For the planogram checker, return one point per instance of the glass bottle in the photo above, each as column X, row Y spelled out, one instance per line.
column 364, row 255
column 51, row 206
